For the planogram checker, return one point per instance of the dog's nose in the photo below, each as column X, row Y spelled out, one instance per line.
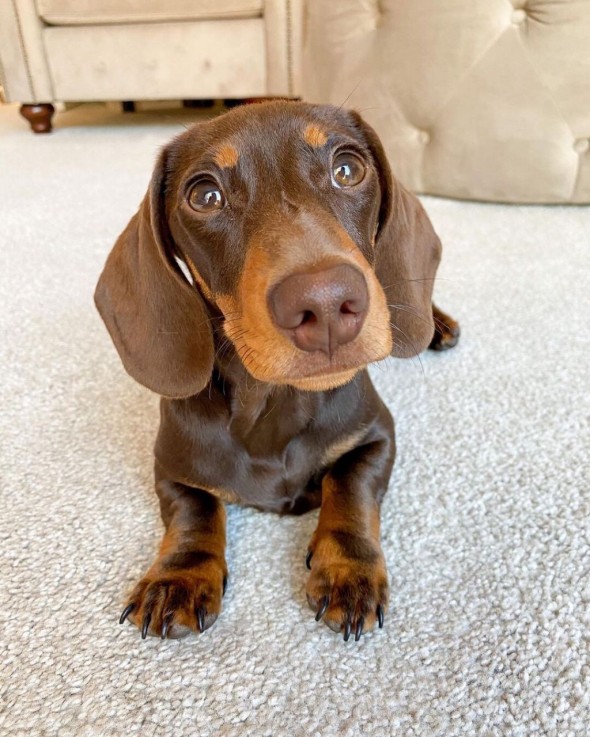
column 322, row 309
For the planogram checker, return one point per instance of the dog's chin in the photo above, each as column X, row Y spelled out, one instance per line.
column 323, row 382
column 312, row 383
column 321, row 379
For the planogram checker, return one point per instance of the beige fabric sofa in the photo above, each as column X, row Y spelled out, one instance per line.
column 76, row 50
column 482, row 99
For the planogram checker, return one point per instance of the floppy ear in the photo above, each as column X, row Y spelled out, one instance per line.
column 407, row 254
column 156, row 319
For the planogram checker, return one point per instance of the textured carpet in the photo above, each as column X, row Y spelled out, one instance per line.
column 486, row 527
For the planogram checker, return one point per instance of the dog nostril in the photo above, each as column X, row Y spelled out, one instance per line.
column 308, row 318
column 347, row 308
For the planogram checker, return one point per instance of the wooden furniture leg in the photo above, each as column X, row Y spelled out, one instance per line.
column 39, row 116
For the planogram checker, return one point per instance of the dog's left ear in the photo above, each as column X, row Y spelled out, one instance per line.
column 407, row 254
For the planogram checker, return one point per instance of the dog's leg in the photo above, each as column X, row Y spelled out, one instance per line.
column 348, row 585
column 446, row 331
column 182, row 590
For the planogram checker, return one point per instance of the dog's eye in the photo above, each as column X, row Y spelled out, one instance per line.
column 205, row 196
column 347, row 170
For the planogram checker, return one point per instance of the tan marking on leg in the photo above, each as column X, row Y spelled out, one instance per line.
column 336, row 513
column 348, row 568
column 212, row 541
column 314, row 135
column 229, row 497
column 227, row 156
column 342, row 446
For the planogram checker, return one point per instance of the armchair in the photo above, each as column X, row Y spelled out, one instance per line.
column 80, row 50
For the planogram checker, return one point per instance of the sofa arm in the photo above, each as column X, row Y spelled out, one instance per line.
column 283, row 23
column 23, row 67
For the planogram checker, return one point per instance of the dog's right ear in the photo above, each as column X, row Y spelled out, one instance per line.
column 407, row 253
column 157, row 320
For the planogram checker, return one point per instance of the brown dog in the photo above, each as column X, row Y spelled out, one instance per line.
column 273, row 258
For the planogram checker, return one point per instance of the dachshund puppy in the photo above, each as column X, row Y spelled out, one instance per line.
column 272, row 259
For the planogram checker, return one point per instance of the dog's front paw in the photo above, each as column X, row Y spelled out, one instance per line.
column 347, row 587
column 179, row 594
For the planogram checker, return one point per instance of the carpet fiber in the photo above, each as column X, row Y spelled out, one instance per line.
column 485, row 528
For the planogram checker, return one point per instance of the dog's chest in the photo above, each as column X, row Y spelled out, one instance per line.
column 254, row 446
column 271, row 437
column 265, row 423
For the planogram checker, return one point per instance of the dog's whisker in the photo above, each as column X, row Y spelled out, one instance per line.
column 350, row 94
column 440, row 324
column 412, row 311
column 413, row 347
column 425, row 279
column 228, row 342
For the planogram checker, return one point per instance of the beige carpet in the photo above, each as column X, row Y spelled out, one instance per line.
column 486, row 527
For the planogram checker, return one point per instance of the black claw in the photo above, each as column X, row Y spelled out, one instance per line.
column 347, row 628
column 201, row 619
column 224, row 584
column 126, row 612
column 323, row 606
column 146, row 625
column 308, row 558
column 166, row 625
column 380, row 616
column 359, row 629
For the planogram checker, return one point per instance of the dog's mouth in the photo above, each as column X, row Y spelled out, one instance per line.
column 321, row 366
column 313, row 371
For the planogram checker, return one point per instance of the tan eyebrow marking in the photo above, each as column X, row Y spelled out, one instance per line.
column 227, row 156
column 314, row 135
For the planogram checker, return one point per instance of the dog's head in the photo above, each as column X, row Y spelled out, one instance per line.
column 294, row 232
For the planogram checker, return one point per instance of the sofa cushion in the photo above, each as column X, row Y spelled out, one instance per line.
column 157, row 61
column 91, row 12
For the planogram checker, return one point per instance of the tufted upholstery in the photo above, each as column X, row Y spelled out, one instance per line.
column 479, row 99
